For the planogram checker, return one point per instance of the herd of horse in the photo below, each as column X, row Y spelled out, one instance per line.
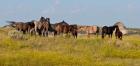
column 43, row 27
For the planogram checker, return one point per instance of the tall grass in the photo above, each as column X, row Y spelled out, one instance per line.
column 61, row 51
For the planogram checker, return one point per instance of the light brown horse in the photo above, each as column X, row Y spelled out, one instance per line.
column 89, row 30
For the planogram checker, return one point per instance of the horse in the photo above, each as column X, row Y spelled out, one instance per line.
column 107, row 31
column 52, row 29
column 42, row 26
column 30, row 26
column 62, row 27
column 89, row 30
column 73, row 30
column 21, row 26
column 118, row 33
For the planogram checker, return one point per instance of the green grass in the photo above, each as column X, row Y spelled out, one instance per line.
column 61, row 51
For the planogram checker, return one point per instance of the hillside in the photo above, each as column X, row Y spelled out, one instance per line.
column 62, row 51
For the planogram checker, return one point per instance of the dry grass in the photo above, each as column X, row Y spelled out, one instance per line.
column 60, row 51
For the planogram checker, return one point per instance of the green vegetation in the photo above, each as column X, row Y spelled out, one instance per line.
column 60, row 51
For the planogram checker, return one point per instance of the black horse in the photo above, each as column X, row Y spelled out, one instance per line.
column 108, row 31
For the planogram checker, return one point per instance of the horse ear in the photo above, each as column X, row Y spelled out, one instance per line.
column 48, row 19
column 41, row 17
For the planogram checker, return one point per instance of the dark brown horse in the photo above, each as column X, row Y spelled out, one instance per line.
column 118, row 33
column 73, row 30
column 31, row 25
column 108, row 31
column 52, row 30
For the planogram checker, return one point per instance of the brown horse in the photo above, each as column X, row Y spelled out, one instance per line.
column 31, row 25
column 118, row 33
column 73, row 30
column 62, row 27
column 21, row 26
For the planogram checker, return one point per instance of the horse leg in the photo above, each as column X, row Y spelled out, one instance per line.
column 66, row 34
column 76, row 35
column 103, row 36
column 42, row 33
column 121, row 37
column 116, row 35
column 88, row 35
column 46, row 33
column 73, row 34
column 55, row 33
column 36, row 31
column 32, row 32
column 97, row 34
column 39, row 32
column 24, row 32
column 111, row 35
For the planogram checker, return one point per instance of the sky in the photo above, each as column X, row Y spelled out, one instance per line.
column 82, row 12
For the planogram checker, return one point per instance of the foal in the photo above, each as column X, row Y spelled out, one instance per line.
column 118, row 33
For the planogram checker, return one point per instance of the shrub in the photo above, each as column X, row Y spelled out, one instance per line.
column 14, row 34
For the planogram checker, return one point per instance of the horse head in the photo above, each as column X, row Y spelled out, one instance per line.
column 42, row 19
column 12, row 23
column 47, row 19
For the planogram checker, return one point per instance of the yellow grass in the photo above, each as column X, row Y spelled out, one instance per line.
column 61, row 51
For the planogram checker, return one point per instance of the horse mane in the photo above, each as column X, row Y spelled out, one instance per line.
column 64, row 23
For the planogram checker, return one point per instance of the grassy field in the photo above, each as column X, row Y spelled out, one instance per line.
column 60, row 51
